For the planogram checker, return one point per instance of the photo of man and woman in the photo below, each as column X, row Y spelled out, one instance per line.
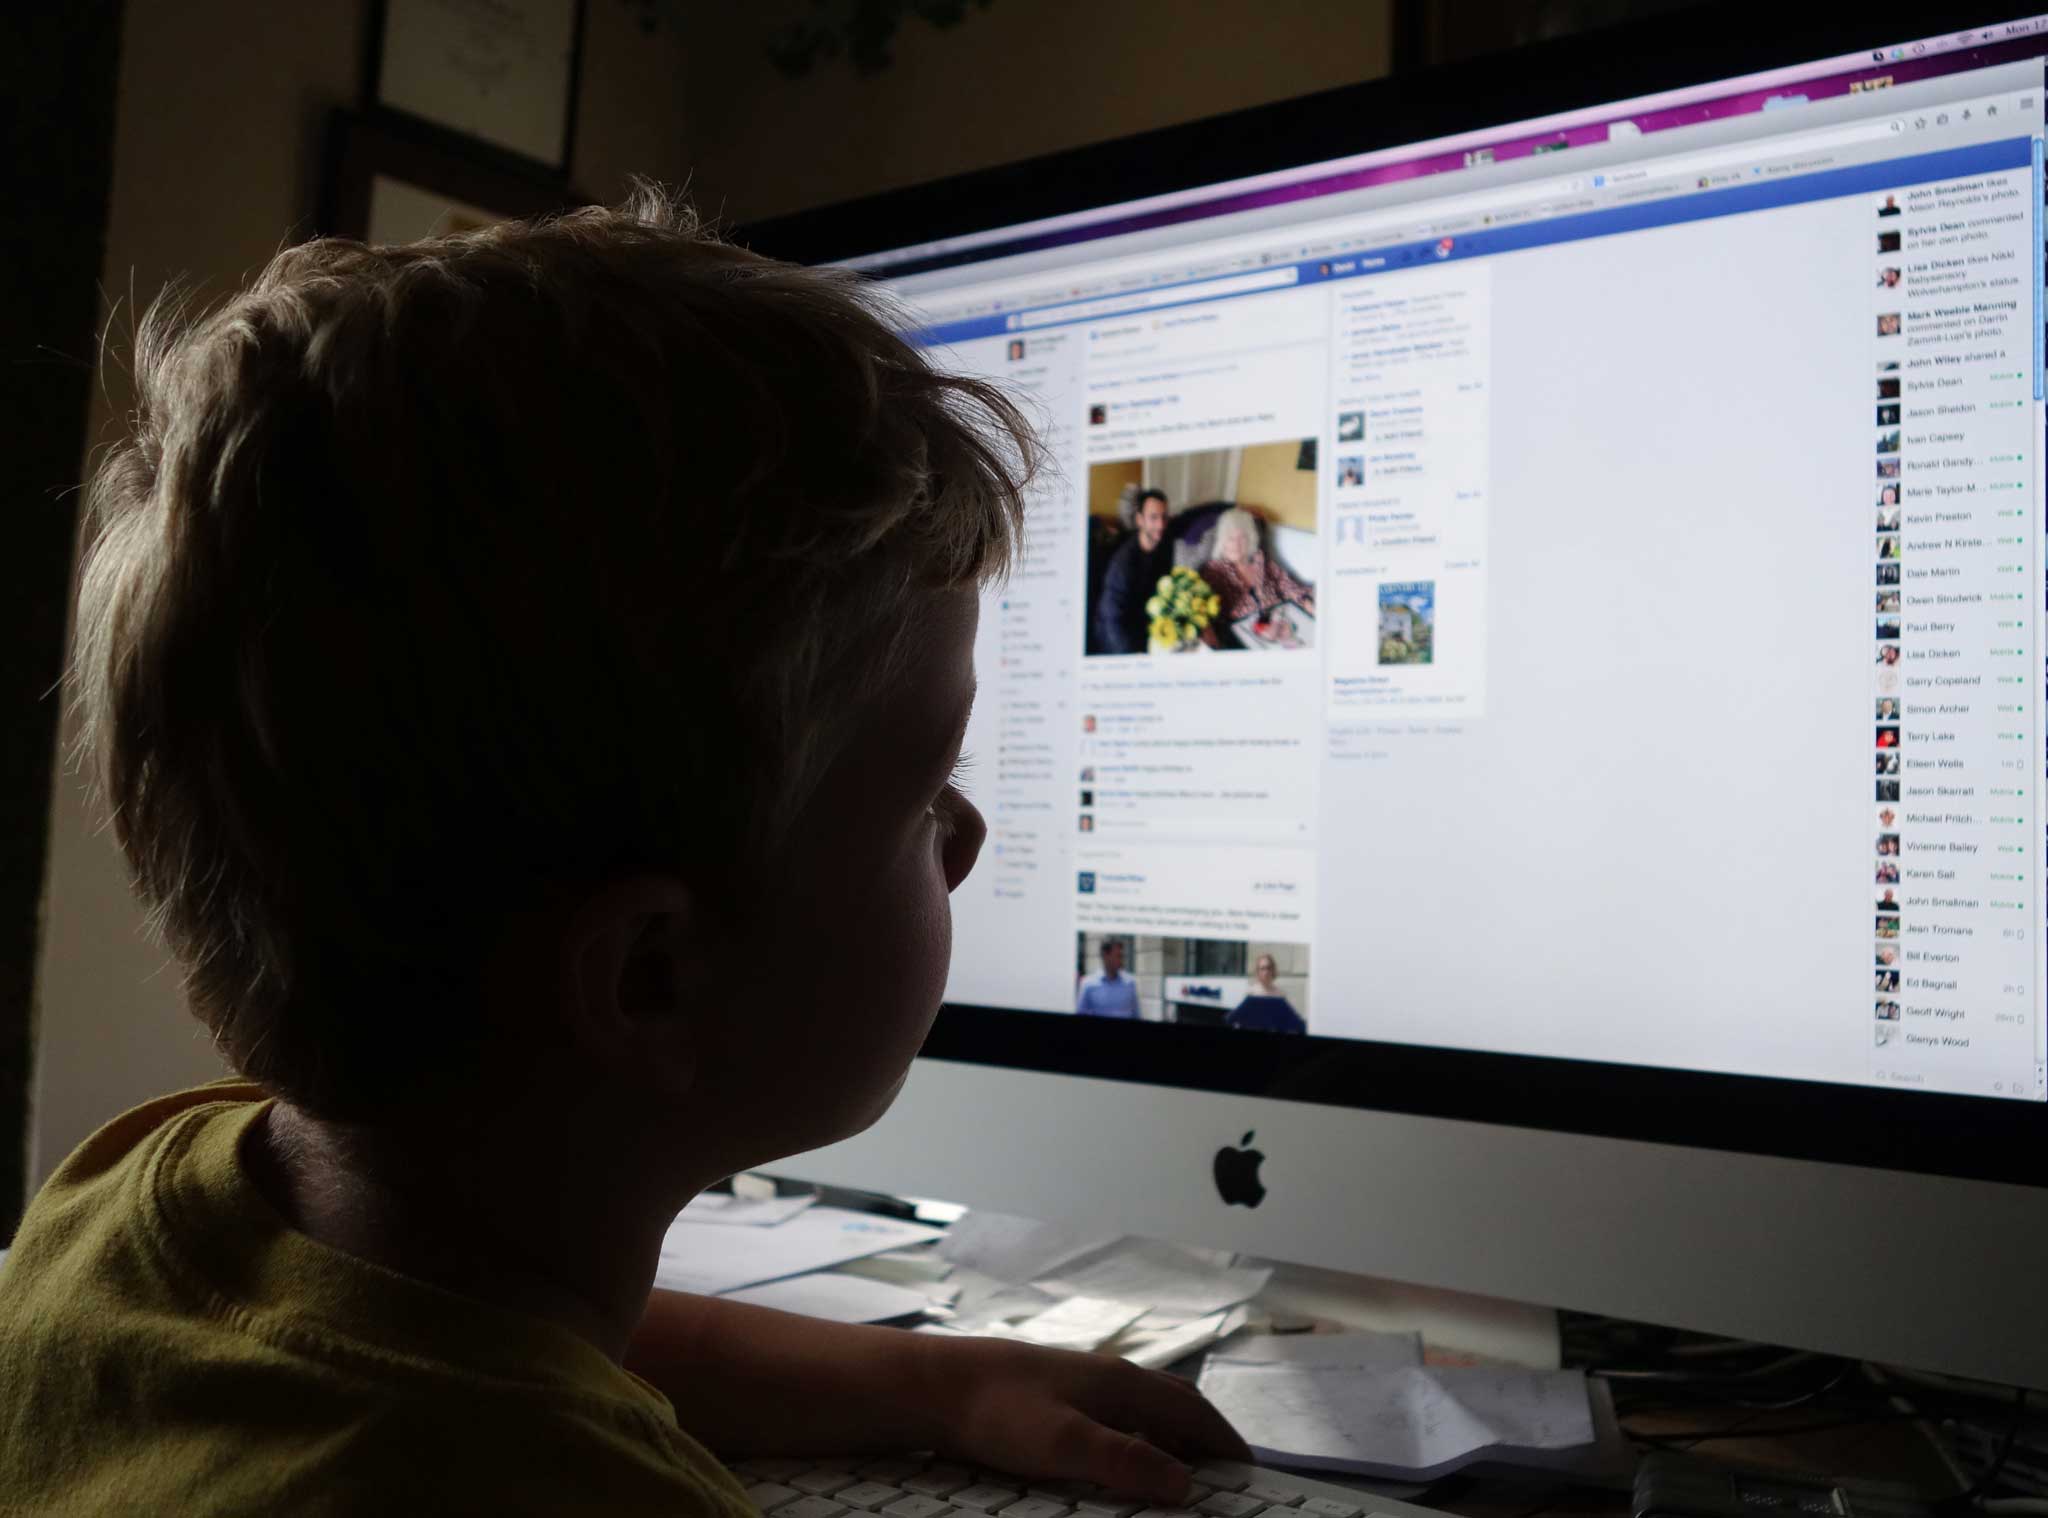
column 1888, row 466
column 1205, row 982
column 1888, row 324
column 1211, row 551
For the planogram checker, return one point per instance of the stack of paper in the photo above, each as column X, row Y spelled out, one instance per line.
column 715, row 1257
column 1364, row 1403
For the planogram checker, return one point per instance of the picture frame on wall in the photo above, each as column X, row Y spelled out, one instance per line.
column 390, row 181
column 499, row 73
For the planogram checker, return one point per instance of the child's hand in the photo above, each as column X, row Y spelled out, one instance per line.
column 1056, row 1414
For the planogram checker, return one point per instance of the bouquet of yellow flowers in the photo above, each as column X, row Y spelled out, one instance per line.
column 1181, row 609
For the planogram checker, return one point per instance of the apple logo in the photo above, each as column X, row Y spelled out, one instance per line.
column 1237, row 1175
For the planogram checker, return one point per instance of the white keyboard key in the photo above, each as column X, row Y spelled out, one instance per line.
column 1196, row 1492
column 867, row 1495
column 1035, row 1507
column 1067, row 1492
column 822, row 1482
column 1266, row 1489
column 1169, row 1512
column 939, row 1481
column 1229, row 1505
column 810, row 1507
column 917, row 1507
column 1325, row 1507
column 1107, row 1507
column 1222, row 1481
column 769, row 1495
column 984, row 1498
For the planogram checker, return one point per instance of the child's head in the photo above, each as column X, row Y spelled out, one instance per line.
column 449, row 584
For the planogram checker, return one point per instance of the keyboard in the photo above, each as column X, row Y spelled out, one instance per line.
column 910, row 1487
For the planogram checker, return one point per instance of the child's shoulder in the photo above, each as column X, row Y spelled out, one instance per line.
column 156, row 1312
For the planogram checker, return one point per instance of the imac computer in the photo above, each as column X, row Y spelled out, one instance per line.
column 1514, row 754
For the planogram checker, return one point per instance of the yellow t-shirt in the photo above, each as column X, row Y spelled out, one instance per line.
column 169, row 1345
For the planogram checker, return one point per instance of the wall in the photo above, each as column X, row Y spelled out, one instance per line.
column 1106, row 486
column 1270, row 479
column 1021, row 78
column 220, row 120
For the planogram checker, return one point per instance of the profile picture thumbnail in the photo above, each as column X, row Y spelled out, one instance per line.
column 1888, row 736
column 1889, row 206
column 1888, row 442
column 1351, row 470
column 1888, row 466
column 1888, row 277
column 1887, row 600
column 1887, row 574
column 1888, row 495
column 1351, row 426
column 1887, row 761
column 1888, row 547
column 1887, row 872
column 1888, row 324
column 1888, row 654
column 1886, row 927
column 1888, row 416
column 1887, row 627
column 1016, row 350
column 1888, row 387
column 1888, row 242
column 1887, row 790
column 1888, row 1011
column 1887, row 981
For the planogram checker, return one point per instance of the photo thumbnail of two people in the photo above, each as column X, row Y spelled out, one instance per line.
column 1213, row 550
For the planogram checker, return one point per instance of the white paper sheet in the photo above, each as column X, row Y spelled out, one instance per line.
column 1079, row 1323
column 834, row 1297
column 1338, row 1351
column 743, row 1212
column 1157, row 1350
column 1411, row 1421
column 711, row 1258
column 1014, row 1250
column 1172, row 1282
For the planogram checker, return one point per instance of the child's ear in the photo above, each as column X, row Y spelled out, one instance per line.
column 638, row 980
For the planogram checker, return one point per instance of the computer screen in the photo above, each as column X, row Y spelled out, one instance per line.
column 1570, row 590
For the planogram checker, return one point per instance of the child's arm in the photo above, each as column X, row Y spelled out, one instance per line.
column 749, row 1380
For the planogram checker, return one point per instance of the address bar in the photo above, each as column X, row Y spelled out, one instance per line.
column 1145, row 300
column 1748, row 149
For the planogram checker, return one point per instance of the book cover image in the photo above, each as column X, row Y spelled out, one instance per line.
column 1408, row 622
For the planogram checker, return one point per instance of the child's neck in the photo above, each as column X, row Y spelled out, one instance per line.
column 500, row 1218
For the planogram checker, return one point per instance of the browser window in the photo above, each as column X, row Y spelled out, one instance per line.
column 1582, row 599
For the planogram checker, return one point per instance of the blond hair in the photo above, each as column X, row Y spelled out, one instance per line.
column 436, row 577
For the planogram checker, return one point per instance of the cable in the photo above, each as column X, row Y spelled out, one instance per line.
column 1985, row 1482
